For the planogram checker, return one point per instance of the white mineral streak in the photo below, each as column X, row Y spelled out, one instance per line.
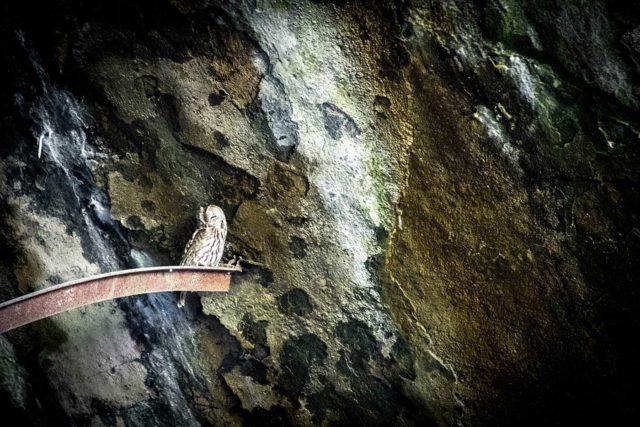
column 519, row 72
column 345, row 202
column 499, row 138
column 313, row 75
column 99, row 360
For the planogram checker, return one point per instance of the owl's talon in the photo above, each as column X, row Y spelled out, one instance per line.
column 234, row 263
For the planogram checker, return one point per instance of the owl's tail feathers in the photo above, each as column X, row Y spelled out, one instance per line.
column 182, row 299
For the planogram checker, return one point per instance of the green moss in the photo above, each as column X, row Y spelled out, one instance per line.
column 281, row 4
column 380, row 180
column 506, row 22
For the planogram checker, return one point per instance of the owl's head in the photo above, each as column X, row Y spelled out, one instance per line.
column 212, row 216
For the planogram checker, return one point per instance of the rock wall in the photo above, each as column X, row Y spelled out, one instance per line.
column 436, row 201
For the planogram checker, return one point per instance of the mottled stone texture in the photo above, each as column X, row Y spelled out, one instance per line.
column 437, row 201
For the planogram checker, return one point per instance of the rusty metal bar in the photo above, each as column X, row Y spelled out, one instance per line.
column 77, row 293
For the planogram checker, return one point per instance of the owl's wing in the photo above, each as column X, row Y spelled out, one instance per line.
column 191, row 251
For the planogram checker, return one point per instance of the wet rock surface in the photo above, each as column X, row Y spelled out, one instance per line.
column 436, row 203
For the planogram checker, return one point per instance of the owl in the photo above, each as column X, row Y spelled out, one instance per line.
column 207, row 243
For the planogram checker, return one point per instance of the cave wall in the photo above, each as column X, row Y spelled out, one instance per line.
column 436, row 201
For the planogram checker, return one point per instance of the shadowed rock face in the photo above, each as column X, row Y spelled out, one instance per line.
column 439, row 204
